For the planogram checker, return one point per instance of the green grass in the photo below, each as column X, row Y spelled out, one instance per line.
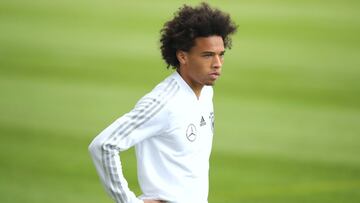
column 287, row 106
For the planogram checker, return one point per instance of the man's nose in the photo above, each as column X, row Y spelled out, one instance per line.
column 218, row 61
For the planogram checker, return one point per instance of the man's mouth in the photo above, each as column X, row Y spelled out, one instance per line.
column 214, row 75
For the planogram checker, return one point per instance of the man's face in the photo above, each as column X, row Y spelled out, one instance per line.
column 201, row 65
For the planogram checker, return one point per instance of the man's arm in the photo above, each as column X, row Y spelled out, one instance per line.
column 105, row 155
column 144, row 121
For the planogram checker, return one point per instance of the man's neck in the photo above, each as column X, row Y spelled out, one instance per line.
column 196, row 87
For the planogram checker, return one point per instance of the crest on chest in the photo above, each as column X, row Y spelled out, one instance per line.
column 212, row 119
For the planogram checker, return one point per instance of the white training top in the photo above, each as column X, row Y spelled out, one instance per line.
column 172, row 132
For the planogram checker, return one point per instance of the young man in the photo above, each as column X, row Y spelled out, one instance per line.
column 172, row 126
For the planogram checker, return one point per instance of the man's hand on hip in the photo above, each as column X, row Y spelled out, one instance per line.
column 153, row 201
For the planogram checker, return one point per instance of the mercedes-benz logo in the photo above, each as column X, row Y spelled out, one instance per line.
column 191, row 133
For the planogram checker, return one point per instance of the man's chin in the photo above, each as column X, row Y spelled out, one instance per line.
column 211, row 83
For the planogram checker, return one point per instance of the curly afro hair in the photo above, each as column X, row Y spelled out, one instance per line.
column 188, row 24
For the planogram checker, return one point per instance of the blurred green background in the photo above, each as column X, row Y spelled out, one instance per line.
column 287, row 106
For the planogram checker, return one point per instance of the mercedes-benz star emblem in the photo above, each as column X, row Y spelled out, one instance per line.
column 191, row 133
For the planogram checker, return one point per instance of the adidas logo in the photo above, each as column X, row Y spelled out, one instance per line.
column 202, row 121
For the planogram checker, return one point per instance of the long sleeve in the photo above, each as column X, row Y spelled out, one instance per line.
column 144, row 121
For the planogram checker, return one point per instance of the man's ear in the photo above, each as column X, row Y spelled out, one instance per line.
column 181, row 57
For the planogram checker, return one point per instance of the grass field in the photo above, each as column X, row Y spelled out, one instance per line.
column 287, row 106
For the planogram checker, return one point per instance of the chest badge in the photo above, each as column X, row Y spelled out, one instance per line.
column 191, row 132
column 212, row 118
